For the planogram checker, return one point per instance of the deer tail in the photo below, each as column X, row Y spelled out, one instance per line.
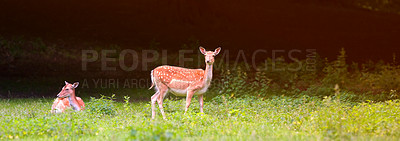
column 152, row 80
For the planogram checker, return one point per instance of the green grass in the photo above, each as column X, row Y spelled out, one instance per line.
column 225, row 118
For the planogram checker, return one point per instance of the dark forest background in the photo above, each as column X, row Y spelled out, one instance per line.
column 42, row 41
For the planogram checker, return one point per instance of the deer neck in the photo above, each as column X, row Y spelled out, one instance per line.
column 73, row 102
column 208, row 75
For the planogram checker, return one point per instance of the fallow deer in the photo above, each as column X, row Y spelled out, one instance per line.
column 182, row 82
column 67, row 99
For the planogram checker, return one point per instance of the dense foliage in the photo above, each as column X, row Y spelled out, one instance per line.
column 369, row 81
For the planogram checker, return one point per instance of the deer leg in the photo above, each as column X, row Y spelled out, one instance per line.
column 201, row 103
column 160, row 102
column 153, row 102
column 188, row 99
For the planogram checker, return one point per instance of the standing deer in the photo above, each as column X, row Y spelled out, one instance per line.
column 67, row 99
column 182, row 82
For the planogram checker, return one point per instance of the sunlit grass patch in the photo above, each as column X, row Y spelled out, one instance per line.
column 249, row 118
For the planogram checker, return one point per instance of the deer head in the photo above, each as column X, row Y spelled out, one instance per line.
column 209, row 55
column 68, row 90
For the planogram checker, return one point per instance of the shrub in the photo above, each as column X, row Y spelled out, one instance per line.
column 233, row 82
column 102, row 106
column 375, row 81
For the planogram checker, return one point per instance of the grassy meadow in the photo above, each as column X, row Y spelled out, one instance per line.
column 225, row 118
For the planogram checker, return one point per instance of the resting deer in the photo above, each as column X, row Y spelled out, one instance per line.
column 67, row 99
column 182, row 82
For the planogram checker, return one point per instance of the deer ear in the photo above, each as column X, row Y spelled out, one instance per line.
column 217, row 51
column 75, row 84
column 66, row 82
column 202, row 50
